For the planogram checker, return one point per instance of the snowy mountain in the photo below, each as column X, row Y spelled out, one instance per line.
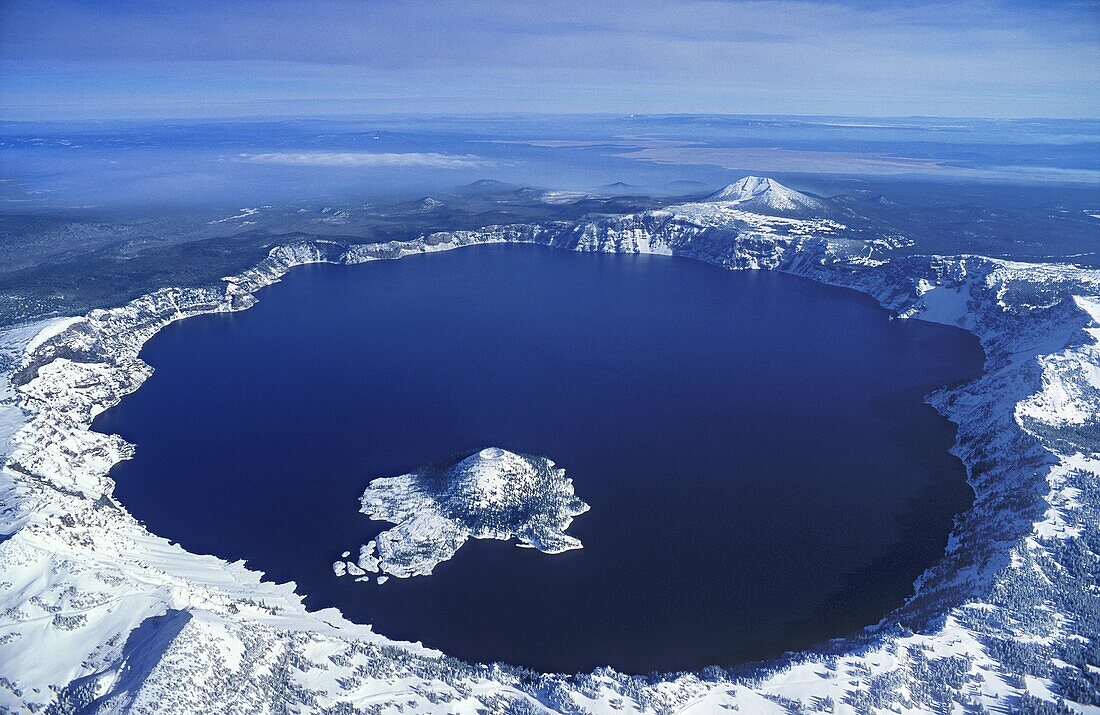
column 100, row 615
column 430, row 203
column 753, row 193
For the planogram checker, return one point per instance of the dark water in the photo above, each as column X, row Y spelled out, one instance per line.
column 761, row 468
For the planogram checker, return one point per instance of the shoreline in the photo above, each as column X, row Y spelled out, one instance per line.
column 58, row 499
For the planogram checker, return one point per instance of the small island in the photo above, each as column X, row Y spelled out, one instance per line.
column 490, row 494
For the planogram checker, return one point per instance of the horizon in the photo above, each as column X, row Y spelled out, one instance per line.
column 251, row 161
column 363, row 117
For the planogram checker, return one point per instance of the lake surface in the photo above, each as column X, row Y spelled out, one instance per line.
column 761, row 467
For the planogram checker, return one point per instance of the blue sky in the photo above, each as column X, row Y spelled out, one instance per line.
column 278, row 58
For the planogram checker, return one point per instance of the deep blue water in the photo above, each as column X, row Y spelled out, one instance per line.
column 761, row 468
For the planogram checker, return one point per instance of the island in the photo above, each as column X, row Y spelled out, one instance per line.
column 490, row 494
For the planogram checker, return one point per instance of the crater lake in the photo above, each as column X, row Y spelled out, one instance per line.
column 762, row 469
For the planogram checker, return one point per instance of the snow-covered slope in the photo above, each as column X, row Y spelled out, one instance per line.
column 101, row 615
column 763, row 195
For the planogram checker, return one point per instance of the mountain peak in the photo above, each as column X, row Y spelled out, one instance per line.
column 762, row 193
column 746, row 188
column 484, row 475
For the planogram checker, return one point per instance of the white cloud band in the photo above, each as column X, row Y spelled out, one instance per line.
column 367, row 159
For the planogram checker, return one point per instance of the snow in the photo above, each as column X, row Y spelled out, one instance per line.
column 943, row 304
column 563, row 197
column 99, row 613
column 762, row 194
column 48, row 330
column 1091, row 307
column 245, row 213
column 480, row 496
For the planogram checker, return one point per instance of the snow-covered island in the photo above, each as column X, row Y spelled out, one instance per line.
column 491, row 494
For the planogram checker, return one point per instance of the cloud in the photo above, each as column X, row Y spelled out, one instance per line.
column 1021, row 58
column 353, row 159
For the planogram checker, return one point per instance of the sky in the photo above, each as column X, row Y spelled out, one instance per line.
column 288, row 58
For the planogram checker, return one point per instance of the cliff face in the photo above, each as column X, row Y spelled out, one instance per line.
column 100, row 613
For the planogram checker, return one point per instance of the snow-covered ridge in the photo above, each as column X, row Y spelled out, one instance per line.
column 98, row 613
